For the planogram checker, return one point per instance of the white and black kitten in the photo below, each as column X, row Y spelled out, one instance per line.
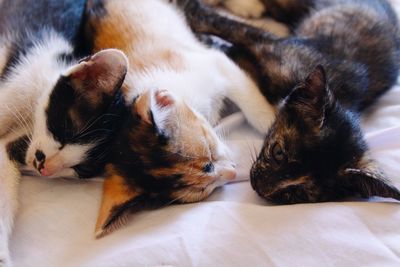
column 315, row 150
column 57, row 114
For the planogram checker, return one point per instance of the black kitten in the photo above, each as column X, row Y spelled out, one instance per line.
column 344, row 54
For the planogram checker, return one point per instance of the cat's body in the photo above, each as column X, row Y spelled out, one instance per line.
column 52, row 106
column 167, row 151
column 315, row 149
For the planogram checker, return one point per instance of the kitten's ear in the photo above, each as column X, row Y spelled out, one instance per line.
column 102, row 73
column 368, row 180
column 311, row 97
column 119, row 200
column 153, row 105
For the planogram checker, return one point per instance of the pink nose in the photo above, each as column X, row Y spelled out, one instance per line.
column 228, row 174
column 44, row 172
column 47, row 170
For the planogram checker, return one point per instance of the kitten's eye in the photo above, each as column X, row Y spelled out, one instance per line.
column 277, row 153
column 209, row 167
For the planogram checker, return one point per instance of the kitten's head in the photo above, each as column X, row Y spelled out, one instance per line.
column 315, row 151
column 166, row 153
column 75, row 118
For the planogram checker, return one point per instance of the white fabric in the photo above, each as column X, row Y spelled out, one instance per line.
column 234, row 227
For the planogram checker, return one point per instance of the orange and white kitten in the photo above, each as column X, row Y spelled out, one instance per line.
column 168, row 150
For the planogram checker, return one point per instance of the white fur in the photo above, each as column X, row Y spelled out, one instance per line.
column 56, row 160
column 36, row 73
column 29, row 81
column 208, row 75
column 9, row 184
column 200, row 77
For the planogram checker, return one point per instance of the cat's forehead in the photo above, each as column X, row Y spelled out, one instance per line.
column 285, row 132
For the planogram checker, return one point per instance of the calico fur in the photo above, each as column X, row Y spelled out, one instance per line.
column 167, row 151
column 343, row 56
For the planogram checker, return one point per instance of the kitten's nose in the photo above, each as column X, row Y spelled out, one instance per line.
column 39, row 160
column 40, row 156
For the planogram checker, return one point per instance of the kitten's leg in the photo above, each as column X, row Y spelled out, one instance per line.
column 246, row 9
column 9, row 181
column 203, row 19
column 246, row 95
column 288, row 11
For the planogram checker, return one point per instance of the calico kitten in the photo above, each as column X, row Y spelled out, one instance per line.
column 167, row 150
column 315, row 150
column 57, row 114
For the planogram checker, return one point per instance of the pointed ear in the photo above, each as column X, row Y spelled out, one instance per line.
column 368, row 180
column 118, row 202
column 153, row 106
column 310, row 97
column 102, row 73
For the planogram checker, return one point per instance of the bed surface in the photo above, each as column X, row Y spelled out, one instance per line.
column 234, row 227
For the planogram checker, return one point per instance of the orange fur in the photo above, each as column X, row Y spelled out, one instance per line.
column 115, row 192
column 115, row 31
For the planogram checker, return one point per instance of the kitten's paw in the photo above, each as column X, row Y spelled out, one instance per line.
column 272, row 26
column 246, row 9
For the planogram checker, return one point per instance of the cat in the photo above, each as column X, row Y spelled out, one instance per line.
column 342, row 57
column 167, row 151
column 58, row 114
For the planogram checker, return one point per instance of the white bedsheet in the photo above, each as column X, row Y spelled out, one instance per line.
column 234, row 227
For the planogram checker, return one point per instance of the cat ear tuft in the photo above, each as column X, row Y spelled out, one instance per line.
column 368, row 180
column 142, row 107
column 310, row 98
column 119, row 200
column 153, row 107
column 316, row 82
column 164, row 98
column 104, row 72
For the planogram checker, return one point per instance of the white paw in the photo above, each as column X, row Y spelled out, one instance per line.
column 245, row 8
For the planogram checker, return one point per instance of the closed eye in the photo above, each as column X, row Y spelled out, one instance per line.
column 209, row 167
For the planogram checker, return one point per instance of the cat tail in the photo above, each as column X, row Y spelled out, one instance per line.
column 9, row 184
column 205, row 20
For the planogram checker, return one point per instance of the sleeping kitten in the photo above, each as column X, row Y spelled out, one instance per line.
column 57, row 114
column 167, row 150
column 315, row 150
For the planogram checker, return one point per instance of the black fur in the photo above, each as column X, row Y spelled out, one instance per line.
column 17, row 150
column 104, row 120
column 140, row 148
column 315, row 150
column 27, row 22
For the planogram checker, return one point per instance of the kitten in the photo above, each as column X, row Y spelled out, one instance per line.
column 167, row 150
column 57, row 114
column 315, row 150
